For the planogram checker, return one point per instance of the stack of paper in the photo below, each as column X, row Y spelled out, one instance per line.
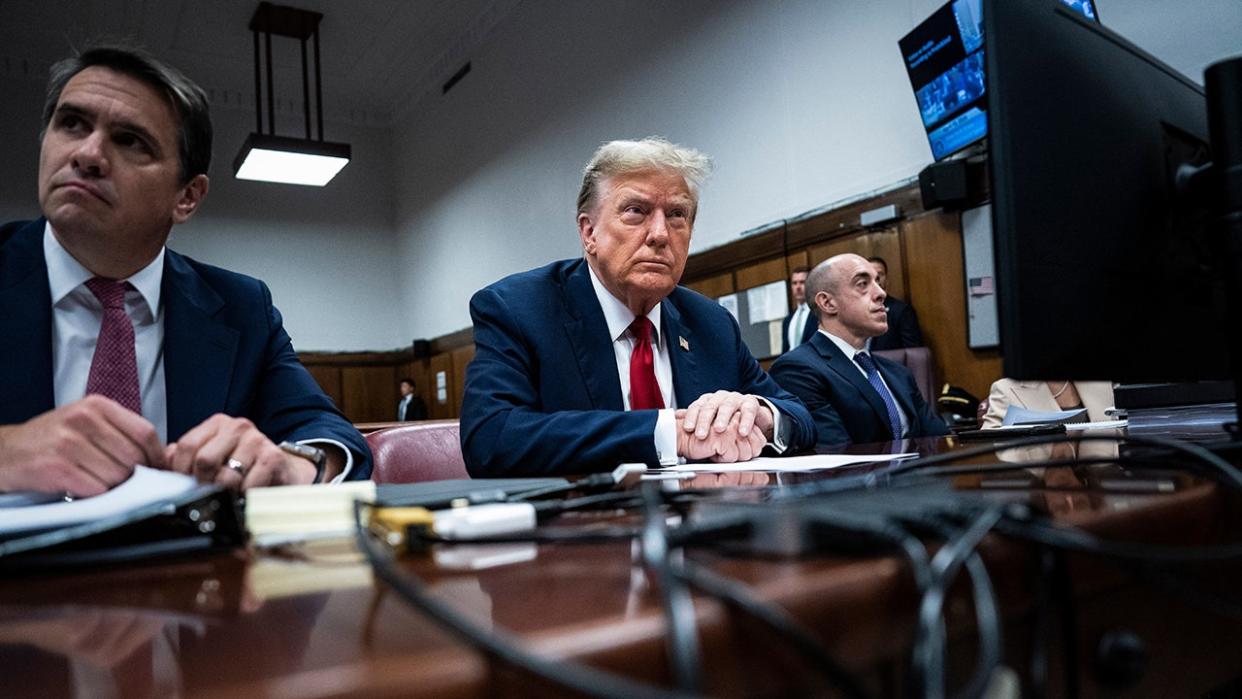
column 300, row 512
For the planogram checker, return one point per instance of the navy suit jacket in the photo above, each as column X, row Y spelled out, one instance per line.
column 225, row 350
column 844, row 405
column 903, row 327
column 807, row 330
column 542, row 394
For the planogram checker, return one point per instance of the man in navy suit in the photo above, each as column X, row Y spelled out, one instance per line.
column 800, row 324
column 903, row 322
column 853, row 396
column 115, row 351
column 587, row 363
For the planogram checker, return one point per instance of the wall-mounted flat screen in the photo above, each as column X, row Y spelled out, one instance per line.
column 944, row 58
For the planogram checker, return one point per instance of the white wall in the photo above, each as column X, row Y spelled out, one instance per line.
column 325, row 252
column 801, row 102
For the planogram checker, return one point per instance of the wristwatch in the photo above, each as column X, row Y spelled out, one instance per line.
column 315, row 455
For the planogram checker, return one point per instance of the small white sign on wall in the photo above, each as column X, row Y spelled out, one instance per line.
column 441, row 387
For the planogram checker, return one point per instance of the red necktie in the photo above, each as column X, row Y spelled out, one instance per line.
column 114, row 369
column 644, row 390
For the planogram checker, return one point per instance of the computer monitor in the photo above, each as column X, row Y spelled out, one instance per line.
column 1103, row 269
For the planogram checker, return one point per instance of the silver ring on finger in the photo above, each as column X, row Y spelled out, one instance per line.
column 236, row 466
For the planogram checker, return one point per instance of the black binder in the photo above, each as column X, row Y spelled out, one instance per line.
column 206, row 519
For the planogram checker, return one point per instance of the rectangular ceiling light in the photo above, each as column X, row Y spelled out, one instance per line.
column 270, row 158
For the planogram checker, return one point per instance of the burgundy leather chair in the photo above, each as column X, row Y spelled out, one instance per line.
column 919, row 361
column 427, row 450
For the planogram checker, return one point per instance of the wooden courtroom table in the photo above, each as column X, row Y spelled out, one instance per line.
column 312, row 622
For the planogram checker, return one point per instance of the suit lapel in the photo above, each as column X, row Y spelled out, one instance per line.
column 25, row 327
column 198, row 348
column 846, row 369
column 680, row 341
column 588, row 336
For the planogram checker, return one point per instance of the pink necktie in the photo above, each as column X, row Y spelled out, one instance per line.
column 114, row 369
column 644, row 390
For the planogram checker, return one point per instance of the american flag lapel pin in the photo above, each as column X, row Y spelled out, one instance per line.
column 685, row 344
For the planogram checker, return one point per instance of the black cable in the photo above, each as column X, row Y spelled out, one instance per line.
column 840, row 531
column 683, row 645
column 736, row 595
column 495, row 643
column 959, row 550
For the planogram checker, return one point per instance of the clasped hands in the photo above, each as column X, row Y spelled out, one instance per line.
column 723, row 427
column 89, row 446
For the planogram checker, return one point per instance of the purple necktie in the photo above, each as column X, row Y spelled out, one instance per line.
column 873, row 378
column 114, row 369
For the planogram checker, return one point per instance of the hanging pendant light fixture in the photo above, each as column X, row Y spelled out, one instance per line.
column 271, row 158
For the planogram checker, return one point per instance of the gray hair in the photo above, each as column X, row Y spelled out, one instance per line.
column 652, row 153
column 186, row 98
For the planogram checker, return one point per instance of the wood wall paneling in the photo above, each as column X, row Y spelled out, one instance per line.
column 765, row 272
column 329, row 379
column 836, row 246
column 714, row 287
column 370, row 393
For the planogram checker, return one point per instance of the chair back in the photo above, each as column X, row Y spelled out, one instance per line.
column 919, row 361
column 414, row 452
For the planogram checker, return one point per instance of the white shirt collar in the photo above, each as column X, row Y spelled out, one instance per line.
column 65, row 274
column 617, row 315
column 845, row 347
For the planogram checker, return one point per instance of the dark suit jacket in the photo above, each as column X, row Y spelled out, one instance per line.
column 542, row 394
column 845, row 407
column 903, row 327
column 415, row 410
column 807, row 330
column 225, row 350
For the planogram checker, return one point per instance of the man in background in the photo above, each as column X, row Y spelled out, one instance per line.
column 411, row 407
column 854, row 397
column 115, row 351
column 903, row 322
column 799, row 325
column 584, row 364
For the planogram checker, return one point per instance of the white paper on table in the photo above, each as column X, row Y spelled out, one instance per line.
column 813, row 462
column 147, row 486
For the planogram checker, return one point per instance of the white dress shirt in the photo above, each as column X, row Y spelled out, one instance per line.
column 77, row 316
column 618, row 317
column 850, row 352
column 796, row 325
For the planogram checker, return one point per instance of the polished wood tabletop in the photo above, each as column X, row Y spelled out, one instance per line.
column 312, row 621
